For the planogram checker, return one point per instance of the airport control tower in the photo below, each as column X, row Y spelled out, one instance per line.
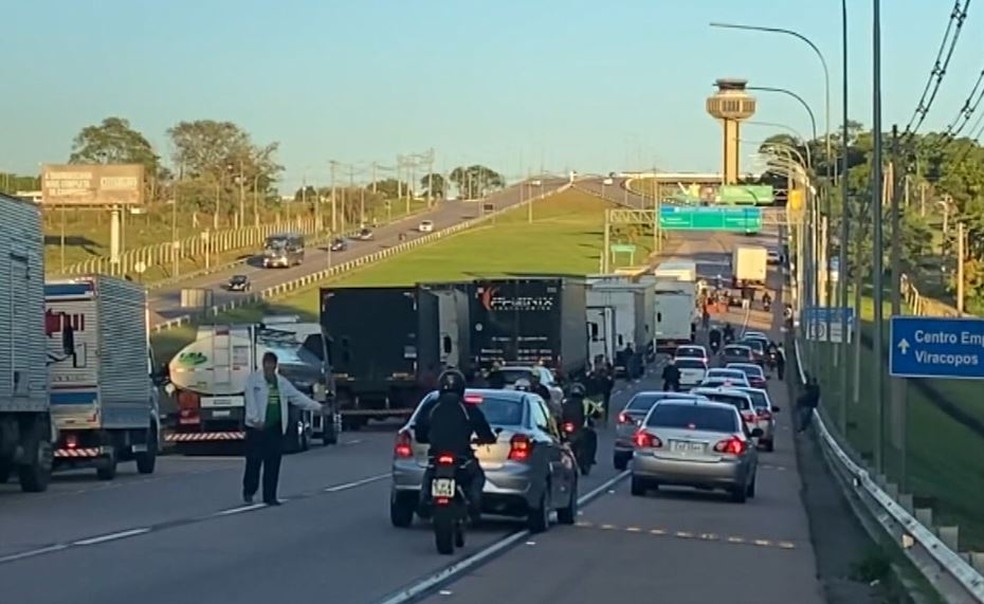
column 731, row 105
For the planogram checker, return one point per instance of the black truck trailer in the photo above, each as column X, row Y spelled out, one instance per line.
column 373, row 347
column 530, row 321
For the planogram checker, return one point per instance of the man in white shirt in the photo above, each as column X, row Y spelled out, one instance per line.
column 268, row 395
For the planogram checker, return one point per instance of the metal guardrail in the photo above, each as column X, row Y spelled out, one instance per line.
column 949, row 572
column 362, row 261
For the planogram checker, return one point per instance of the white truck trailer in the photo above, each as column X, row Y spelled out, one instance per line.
column 26, row 429
column 679, row 269
column 104, row 396
column 208, row 380
column 628, row 305
column 675, row 310
column 750, row 265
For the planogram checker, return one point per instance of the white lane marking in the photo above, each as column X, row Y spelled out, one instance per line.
column 449, row 572
column 357, row 483
column 240, row 509
column 352, row 442
column 31, row 553
column 112, row 536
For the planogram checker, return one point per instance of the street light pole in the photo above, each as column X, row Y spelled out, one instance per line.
column 845, row 233
column 876, row 228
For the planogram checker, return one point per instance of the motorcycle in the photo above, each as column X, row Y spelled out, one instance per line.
column 450, row 503
column 715, row 346
column 767, row 305
column 575, row 436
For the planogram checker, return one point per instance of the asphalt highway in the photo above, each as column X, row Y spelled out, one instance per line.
column 617, row 192
column 165, row 303
column 674, row 546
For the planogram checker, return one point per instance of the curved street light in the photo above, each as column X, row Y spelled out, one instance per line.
column 793, row 131
column 794, row 96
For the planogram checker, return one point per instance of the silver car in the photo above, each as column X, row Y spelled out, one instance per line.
column 724, row 376
column 513, row 373
column 529, row 472
column 631, row 418
column 699, row 444
column 737, row 353
column 741, row 401
column 765, row 413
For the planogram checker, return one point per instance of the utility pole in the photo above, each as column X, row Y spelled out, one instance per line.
column 897, row 386
column 334, row 196
column 877, row 270
column 242, row 194
column 961, row 254
column 399, row 177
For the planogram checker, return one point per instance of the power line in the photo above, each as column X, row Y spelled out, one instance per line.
column 967, row 110
column 949, row 43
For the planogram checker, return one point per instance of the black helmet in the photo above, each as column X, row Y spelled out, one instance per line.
column 577, row 391
column 451, row 380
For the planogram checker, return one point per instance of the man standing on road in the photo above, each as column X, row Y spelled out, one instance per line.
column 268, row 395
column 808, row 401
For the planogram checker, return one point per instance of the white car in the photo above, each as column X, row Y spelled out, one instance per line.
column 511, row 373
column 691, row 351
column 426, row 226
column 692, row 372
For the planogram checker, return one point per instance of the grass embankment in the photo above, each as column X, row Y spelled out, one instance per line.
column 945, row 454
column 564, row 238
column 87, row 234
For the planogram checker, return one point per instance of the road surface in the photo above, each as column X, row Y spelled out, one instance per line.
column 182, row 535
column 165, row 303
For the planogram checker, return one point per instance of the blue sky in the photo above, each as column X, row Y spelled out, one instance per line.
column 511, row 84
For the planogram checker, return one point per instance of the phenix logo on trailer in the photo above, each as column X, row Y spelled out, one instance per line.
column 492, row 301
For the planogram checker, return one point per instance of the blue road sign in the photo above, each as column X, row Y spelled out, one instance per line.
column 936, row 347
column 816, row 319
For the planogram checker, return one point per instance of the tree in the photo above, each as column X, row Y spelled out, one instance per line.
column 12, row 183
column 114, row 141
column 391, row 188
column 476, row 181
column 223, row 163
column 434, row 184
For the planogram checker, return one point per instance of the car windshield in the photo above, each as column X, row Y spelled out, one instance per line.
column 738, row 401
column 690, row 364
column 692, row 417
column 238, row 279
column 759, row 398
column 749, row 370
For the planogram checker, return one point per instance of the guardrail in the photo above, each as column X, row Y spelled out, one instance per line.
column 949, row 572
column 362, row 261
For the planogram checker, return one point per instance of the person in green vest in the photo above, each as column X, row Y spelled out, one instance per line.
column 268, row 395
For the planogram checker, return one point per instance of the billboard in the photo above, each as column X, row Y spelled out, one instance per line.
column 92, row 185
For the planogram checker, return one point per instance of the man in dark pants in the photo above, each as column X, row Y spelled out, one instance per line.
column 268, row 395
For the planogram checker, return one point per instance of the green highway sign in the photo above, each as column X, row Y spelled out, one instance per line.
column 746, row 195
column 710, row 218
column 623, row 248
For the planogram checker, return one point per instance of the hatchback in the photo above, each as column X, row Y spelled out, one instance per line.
column 699, row 444
column 631, row 417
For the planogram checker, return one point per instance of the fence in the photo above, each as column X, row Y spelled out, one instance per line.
column 933, row 550
column 362, row 261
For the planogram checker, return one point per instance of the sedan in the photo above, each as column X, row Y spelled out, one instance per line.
column 757, row 346
column 365, row 235
column 631, row 418
column 765, row 415
column 737, row 398
column 756, row 377
column 697, row 444
column 692, row 372
column 529, row 472
column 728, row 376
column 737, row 353
column 691, row 351
column 338, row 245
column 239, row 283
column 508, row 376
column 426, row 226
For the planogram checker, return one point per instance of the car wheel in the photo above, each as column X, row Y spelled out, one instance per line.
column 638, row 487
column 750, row 492
column 739, row 494
column 568, row 515
column 402, row 507
column 770, row 446
column 538, row 517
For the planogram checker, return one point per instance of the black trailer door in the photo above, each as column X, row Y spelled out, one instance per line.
column 516, row 321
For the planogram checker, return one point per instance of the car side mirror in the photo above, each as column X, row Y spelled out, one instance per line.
column 757, row 432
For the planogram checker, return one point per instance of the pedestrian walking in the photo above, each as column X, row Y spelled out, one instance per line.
column 268, row 395
column 808, row 402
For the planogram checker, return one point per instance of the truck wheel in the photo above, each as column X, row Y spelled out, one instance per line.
column 147, row 461
column 35, row 475
column 106, row 467
column 4, row 472
column 329, row 435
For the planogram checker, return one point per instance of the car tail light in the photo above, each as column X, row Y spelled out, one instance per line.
column 748, row 416
column 645, row 440
column 731, row 446
column 764, row 414
column 71, row 441
column 623, row 418
column 445, row 460
column 569, row 427
column 520, row 448
column 404, row 446
column 473, row 398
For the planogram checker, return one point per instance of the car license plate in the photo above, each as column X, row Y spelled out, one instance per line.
column 681, row 446
column 443, row 487
column 221, row 413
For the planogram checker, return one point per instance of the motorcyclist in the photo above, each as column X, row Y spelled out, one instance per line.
column 580, row 410
column 671, row 377
column 447, row 424
column 729, row 333
column 714, row 338
column 766, row 300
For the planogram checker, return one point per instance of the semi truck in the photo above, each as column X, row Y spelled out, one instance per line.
column 750, row 265
column 628, row 305
column 675, row 311
column 679, row 269
column 530, row 321
column 27, row 433
column 443, row 326
column 208, row 381
column 104, row 382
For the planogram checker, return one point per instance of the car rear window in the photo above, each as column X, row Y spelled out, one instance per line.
column 757, row 345
column 690, row 352
column 499, row 411
column 737, row 351
column 734, row 374
column 644, row 402
column 737, row 401
column 751, row 370
column 690, row 364
column 693, row 417
column 511, row 376
column 759, row 399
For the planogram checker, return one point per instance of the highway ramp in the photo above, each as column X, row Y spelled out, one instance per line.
column 165, row 303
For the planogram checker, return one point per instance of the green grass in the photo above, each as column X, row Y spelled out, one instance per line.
column 565, row 237
column 86, row 234
column 945, row 459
